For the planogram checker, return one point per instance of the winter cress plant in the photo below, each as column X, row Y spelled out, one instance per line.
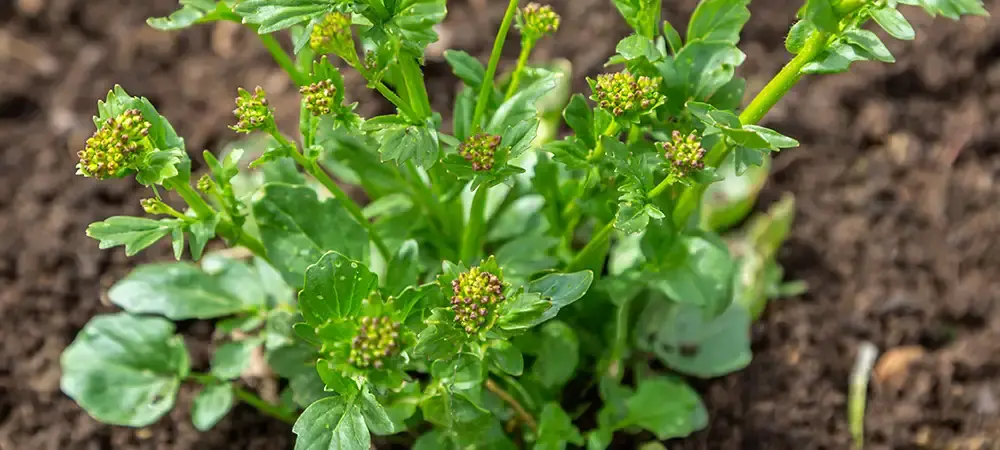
column 505, row 283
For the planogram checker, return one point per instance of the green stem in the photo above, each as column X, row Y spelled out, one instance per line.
column 515, row 79
column 284, row 61
column 317, row 172
column 389, row 94
column 598, row 153
column 656, row 191
column 486, row 90
column 264, row 406
column 592, row 247
column 470, row 236
column 621, row 345
column 226, row 228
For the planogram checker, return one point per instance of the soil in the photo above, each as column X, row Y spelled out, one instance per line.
column 895, row 231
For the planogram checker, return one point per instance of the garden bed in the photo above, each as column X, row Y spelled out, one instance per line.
column 896, row 228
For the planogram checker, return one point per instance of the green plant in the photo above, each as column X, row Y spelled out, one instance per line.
column 495, row 263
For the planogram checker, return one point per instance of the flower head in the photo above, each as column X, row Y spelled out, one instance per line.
column 684, row 153
column 155, row 206
column 538, row 21
column 377, row 339
column 479, row 150
column 117, row 145
column 252, row 112
column 477, row 294
column 334, row 35
column 319, row 97
column 205, row 184
column 625, row 94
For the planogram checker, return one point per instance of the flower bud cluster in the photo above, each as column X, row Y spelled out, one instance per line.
column 478, row 293
column 479, row 150
column 623, row 93
column 116, row 145
column 205, row 184
column 319, row 97
column 333, row 35
column 377, row 340
column 252, row 112
column 538, row 20
column 155, row 206
column 684, row 153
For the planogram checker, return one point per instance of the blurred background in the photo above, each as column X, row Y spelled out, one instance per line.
column 898, row 213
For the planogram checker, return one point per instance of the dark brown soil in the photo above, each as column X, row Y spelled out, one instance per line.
column 896, row 230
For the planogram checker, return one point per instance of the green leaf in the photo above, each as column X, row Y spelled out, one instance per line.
column 402, row 143
column 453, row 410
column 632, row 217
column 462, row 372
column 466, row 67
column 191, row 12
column 699, row 273
column 233, row 358
column 893, row 22
column 580, row 119
column 439, row 340
column 558, row 354
column 201, row 232
column 135, row 233
column 556, row 429
column 523, row 311
column 836, row 58
column 413, row 23
column 211, row 405
column 673, row 37
column 691, row 343
column 297, row 229
column 404, row 268
column 823, row 14
column 335, row 288
column 332, row 423
column 376, row 418
column 562, row 289
column 177, row 291
column 507, row 357
column 798, row 36
column 274, row 15
column 642, row 15
column 435, row 439
column 124, row 369
column 636, row 46
column 718, row 20
column 677, row 417
column 237, row 278
column 870, row 43
column 952, row 9
column 697, row 71
column 521, row 107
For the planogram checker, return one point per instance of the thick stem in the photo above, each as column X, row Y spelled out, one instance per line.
column 527, row 44
column 486, row 90
column 591, row 248
column 320, row 175
column 284, row 61
column 263, row 406
column 522, row 413
column 470, row 236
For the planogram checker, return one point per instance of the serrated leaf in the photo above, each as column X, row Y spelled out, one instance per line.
column 556, row 429
column 201, row 232
column 211, row 405
column 335, row 288
column 894, row 23
column 124, row 369
column 580, row 119
column 297, row 229
column 274, row 15
column 177, row 291
column 718, row 20
column 562, row 289
column 407, row 142
column 413, row 23
column 438, row 340
column 135, row 233
column 332, row 423
column 631, row 217
column 233, row 358
column 507, row 357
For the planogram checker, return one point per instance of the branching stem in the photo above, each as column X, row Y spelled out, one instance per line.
column 527, row 45
column 226, row 228
column 522, row 413
column 486, row 90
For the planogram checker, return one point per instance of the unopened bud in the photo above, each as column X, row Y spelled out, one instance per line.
column 538, row 21
column 475, row 284
column 624, row 94
column 479, row 150
column 319, row 97
column 252, row 112
column 118, row 145
column 334, row 36
column 684, row 154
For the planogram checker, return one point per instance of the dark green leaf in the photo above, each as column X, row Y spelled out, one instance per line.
column 375, row 415
column 718, row 20
column 335, row 288
column 334, row 380
column 798, row 35
column 632, row 217
column 190, row 13
column 562, row 289
column 556, row 429
column 332, row 423
column 523, row 311
column 232, row 358
column 521, row 107
column 404, row 268
column 699, row 70
column 636, row 46
column 952, row 9
column 124, row 369
column 201, row 232
column 405, row 142
column 893, row 22
column 835, row 59
column 176, row 290
column 466, row 67
column 413, row 23
column 434, row 439
column 558, row 354
column 870, row 43
column 691, row 343
column 507, row 357
column 297, row 229
column 642, row 15
column 462, row 372
column 274, row 15
column 823, row 14
column 673, row 37
column 677, row 417
column 211, row 405
column 439, row 339
column 135, row 233
column 699, row 274
column 237, row 278
column 580, row 119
